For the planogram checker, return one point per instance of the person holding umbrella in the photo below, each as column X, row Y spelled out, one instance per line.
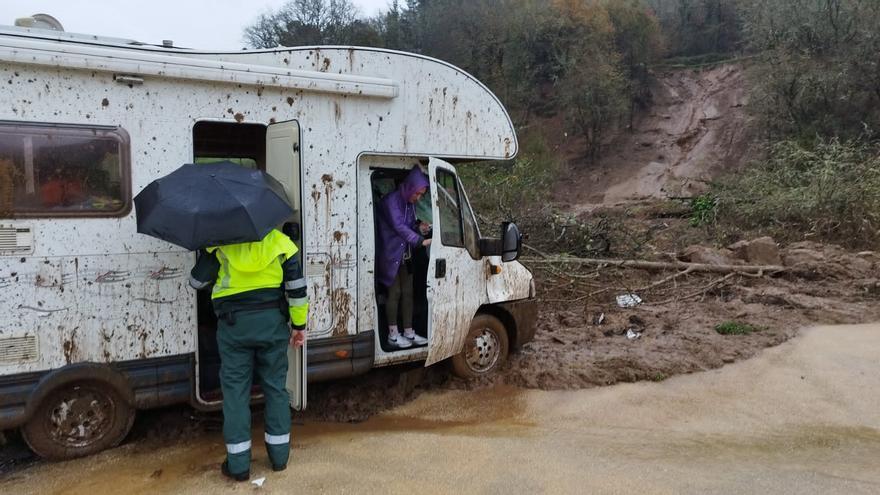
column 230, row 214
column 252, row 335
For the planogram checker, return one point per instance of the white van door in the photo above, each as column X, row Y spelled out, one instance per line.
column 456, row 282
column 283, row 163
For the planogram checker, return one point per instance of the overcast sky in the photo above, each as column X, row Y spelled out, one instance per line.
column 208, row 24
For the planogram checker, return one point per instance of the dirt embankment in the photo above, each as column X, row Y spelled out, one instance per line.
column 696, row 128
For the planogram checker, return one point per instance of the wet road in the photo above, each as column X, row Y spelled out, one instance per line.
column 801, row 418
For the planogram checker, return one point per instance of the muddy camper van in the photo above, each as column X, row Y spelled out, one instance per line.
column 97, row 321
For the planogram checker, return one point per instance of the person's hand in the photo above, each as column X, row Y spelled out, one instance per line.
column 297, row 338
column 426, row 242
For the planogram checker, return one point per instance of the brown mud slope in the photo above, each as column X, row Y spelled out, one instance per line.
column 695, row 130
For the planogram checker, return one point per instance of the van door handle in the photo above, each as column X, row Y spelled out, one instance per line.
column 440, row 268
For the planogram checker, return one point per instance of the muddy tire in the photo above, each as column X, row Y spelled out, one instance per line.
column 78, row 419
column 485, row 348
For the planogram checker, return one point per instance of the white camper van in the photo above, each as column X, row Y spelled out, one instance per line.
column 97, row 320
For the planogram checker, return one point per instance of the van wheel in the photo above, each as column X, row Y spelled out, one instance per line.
column 485, row 348
column 78, row 419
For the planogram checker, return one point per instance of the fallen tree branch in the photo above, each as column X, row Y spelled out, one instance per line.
column 581, row 298
column 667, row 279
column 536, row 250
column 666, row 265
column 693, row 294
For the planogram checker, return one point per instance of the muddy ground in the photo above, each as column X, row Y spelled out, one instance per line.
column 800, row 418
column 582, row 337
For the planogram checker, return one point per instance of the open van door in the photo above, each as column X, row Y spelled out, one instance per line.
column 283, row 163
column 456, row 282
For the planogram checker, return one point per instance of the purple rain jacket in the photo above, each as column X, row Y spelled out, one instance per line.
column 397, row 226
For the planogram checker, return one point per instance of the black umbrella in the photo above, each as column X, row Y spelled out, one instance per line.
column 213, row 204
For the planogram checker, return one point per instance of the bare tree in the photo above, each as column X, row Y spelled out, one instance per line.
column 306, row 22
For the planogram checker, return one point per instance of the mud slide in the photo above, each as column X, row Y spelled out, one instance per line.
column 695, row 130
column 800, row 418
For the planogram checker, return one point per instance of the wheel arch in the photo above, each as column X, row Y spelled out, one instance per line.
column 505, row 318
column 77, row 373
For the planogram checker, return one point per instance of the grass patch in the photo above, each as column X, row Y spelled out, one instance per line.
column 736, row 328
column 658, row 377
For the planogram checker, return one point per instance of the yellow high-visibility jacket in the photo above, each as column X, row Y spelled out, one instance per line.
column 238, row 269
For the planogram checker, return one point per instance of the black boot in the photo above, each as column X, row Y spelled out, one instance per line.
column 224, row 468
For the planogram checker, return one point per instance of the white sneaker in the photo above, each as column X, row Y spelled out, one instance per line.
column 415, row 338
column 399, row 341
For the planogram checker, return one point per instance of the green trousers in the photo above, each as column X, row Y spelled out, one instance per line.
column 254, row 346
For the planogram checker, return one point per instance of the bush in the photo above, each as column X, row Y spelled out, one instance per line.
column 824, row 190
column 512, row 189
column 703, row 210
column 521, row 190
column 736, row 328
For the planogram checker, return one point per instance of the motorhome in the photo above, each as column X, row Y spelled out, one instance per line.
column 98, row 321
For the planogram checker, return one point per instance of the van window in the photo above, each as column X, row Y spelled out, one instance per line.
column 471, row 231
column 58, row 170
column 450, row 211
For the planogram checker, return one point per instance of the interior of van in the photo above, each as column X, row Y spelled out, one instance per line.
column 384, row 181
column 244, row 144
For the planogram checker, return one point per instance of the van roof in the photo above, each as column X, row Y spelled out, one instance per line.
column 452, row 101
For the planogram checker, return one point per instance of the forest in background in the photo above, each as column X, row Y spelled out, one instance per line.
column 814, row 91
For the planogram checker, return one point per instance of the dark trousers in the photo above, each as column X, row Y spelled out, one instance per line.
column 400, row 295
column 254, row 346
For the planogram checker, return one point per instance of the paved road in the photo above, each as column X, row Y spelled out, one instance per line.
column 800, row 418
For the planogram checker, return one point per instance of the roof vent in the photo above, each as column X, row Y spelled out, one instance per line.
column 40, row 21
column 168, row 43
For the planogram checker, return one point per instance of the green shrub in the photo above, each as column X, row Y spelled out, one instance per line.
column 703, row 210
column 521, row 190
column 512, row 189
column 823, row 190
column 736, row 328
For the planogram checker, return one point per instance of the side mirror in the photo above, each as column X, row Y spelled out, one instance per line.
column 511, row 242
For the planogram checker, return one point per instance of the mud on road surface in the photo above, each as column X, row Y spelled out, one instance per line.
column 582, row 338
column 800, row 418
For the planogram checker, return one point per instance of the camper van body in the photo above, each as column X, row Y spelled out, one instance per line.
column 87, row 304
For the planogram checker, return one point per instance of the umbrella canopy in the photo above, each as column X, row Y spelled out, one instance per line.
column 213, row 204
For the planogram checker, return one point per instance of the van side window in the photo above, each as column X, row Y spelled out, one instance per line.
column 52, row 170
column 450, row 211
column 471, row 230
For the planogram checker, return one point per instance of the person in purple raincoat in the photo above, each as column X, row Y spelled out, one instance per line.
column 399, row 233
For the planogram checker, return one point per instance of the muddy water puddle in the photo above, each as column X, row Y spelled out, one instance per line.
column 168, row 467
column 496, row 411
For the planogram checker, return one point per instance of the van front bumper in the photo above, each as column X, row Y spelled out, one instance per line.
column 525, row 317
